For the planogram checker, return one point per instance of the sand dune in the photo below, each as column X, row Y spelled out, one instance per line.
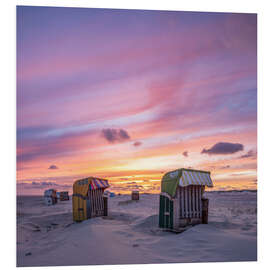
column 47, row 236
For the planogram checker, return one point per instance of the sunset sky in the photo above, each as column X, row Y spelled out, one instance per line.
column 128, row 95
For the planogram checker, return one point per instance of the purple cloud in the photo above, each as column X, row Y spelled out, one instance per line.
column 223, row 148
column 185, row 154
column 115, row 135
column 53, row 167
column 136, row 144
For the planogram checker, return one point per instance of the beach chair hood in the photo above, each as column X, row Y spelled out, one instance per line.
column 83, row 185
column 184, row 177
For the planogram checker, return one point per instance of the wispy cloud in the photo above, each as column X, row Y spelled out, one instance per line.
column 224, row 167
column 249, row 154
column 42, row 185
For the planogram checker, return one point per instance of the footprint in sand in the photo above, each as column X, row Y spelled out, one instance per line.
column 127, row 234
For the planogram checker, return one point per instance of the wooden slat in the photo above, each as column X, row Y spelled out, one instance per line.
column 94, row 202
column 105, row 200
column 176, row 209
column 188, row 193
column 165, row 212
column 98, row 203
column 182, row 202
column 96, row 191
column 179, row 200
column 189, row 202
column 184, row 199
column 96, row 199
column 195, row 208
column 169, row 219
column 101, row 203
column 98, row 206
column 197, row 202
column 195, row 199
column 192, row 201
column 186, row 202
column 79, row 206
column 200, row 202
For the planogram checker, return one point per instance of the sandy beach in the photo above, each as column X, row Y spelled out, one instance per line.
column 47, row 236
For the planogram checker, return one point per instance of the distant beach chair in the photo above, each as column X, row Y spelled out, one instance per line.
column 64, row 196
column 135, row 195
column 112, row 194
column 181, row 198
column 50, row 197
column 88, row 199
column 109, row 194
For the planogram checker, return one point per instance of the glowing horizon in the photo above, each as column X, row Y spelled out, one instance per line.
column 128, row 95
